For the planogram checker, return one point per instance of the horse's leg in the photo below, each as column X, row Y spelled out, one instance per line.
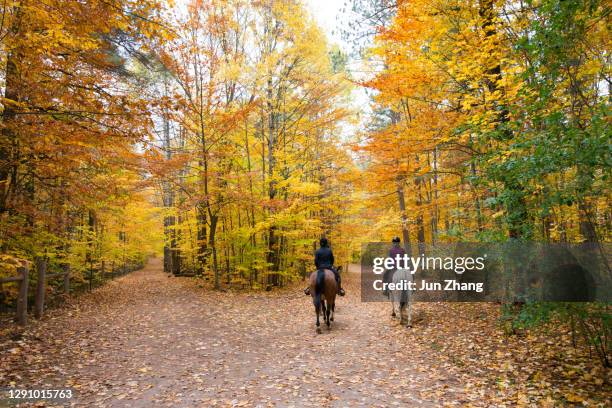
column 327, row 320
column 409, row 324
column 402, row 309
column 392, row 295
column 333, row 310
column 316, row 299
column 323, row 310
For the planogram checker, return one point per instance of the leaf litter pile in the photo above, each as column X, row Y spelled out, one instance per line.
column 147, row 339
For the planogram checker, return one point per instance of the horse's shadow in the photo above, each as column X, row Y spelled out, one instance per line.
column 339, row 324
column 335, row 327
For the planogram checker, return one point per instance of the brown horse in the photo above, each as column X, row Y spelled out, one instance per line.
column 323, row 289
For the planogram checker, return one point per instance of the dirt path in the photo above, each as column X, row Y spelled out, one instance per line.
column 147, row 339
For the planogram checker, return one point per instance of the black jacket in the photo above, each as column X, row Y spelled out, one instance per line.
column 324, row 258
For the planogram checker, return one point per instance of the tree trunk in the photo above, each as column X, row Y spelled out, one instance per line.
column 201, row 238
column 587, row 228
column 435, row 216
column 168, row 199
column 9, row 144
column 516, row 207
column 272, row 239
column 402, row 207
column 213, row 246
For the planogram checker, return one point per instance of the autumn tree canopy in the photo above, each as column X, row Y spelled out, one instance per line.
column 228, row 125
column 491, row 120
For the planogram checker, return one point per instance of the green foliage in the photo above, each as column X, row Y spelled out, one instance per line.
column 554, row 148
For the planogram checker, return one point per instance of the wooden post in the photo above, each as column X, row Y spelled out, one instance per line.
column 22, row 300
column 39, row 304
column 67, row 279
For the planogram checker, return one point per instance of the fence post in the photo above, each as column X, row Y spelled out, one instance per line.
column 22, row 300
column 67, row 279
column 39, row 301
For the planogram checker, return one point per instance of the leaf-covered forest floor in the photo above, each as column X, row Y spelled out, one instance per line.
column 147, row 339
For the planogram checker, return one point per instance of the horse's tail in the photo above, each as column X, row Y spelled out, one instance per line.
column 320, row 281
column 316, row 300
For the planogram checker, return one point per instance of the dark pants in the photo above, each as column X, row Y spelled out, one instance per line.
column 337, row 275
column 387, row 277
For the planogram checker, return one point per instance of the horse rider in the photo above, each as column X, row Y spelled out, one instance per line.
column 395, row 250
column 324, row 259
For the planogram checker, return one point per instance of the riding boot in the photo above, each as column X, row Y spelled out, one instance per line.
column 341, row 291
